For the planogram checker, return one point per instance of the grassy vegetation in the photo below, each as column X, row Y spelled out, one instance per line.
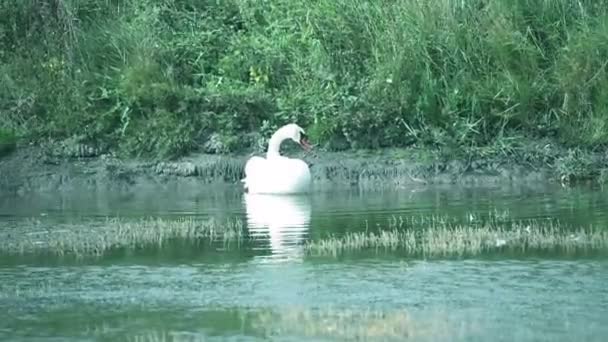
column 329, row 324
column 360, row 324
column 417, row 236
column 8, row 142
column 325, row 324
column 433, row 237
column 98, row 238
column 164, row 78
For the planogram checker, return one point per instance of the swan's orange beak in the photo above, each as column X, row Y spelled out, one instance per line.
column 305, row 144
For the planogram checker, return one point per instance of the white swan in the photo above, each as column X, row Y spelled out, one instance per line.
column 277, row 174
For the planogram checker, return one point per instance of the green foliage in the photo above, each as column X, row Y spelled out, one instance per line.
column 164, row 78
column 8, row 141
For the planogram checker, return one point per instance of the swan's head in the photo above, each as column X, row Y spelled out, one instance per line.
column 297, row 134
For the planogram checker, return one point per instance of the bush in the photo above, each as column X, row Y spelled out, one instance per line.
column 164, row 78
column 8, row 141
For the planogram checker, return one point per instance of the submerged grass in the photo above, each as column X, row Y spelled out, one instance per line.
column 333, row 324
column 348, row 324
column 440, row 237
column 98, row 238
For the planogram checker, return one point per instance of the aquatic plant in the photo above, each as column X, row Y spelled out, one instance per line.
column 97, row 238
column 417, row 235
column 444, row 238
column 330, row 323
column 352, row 324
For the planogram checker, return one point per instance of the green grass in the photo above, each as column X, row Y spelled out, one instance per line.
column 165, row 78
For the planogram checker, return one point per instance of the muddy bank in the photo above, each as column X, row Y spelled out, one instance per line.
column 36, row 169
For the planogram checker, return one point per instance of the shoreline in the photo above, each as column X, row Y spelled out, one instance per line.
column 35, row 169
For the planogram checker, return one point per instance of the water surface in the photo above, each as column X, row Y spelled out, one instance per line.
column 270, row 288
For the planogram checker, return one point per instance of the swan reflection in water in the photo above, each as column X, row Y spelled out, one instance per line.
column 281, row 219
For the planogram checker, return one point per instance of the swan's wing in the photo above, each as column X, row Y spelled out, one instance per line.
column 298, row 168
column 253, row 167
column 277, row 174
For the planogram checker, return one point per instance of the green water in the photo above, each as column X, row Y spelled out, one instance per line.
column 269, row 289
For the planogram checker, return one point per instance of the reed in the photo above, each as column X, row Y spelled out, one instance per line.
column 98, row 238
column 443, row 238
column 423, row 235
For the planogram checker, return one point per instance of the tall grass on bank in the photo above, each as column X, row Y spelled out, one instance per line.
column 164, row 78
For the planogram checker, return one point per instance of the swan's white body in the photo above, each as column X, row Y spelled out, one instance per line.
column 277, row 174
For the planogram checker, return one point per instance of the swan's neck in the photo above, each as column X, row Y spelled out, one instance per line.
column 274, row 145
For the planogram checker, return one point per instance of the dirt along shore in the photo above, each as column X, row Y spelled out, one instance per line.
column 37, row 169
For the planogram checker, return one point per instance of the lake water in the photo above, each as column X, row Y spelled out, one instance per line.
column 272, row 290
